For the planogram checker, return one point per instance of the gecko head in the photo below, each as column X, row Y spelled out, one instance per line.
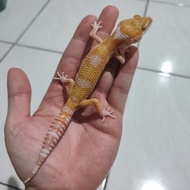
column 135, row 27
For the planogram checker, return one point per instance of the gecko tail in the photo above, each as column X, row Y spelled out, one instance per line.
column 34, row 171
column 54, row 134
column 44, row 153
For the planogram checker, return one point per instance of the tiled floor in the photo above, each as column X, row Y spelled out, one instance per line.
column 154, row 152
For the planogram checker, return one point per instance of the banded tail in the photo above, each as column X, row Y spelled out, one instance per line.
column 54, row 134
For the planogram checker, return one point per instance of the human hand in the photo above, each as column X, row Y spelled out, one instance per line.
column 86, row 152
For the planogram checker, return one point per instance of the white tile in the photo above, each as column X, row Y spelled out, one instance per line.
column 57, row 23
column 166, row 45
column 99, row 188
column 17, row 17
column 177, row 2
column 4, row 49
column 4, row 187
column 40, row 67
column 154, row 152
column 102, row 185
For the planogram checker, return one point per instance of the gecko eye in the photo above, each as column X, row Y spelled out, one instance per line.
column 145, row 26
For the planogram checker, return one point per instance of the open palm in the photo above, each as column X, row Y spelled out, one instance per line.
column 85, row 154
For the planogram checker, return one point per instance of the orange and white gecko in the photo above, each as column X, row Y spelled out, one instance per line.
column 129, row 31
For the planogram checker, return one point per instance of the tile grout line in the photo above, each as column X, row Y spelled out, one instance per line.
column 31, row 47
column 169, row 3
column 39, row 48
column 105, row 182
column 144, row 14
column 6, row 185
column 160, row 72
column 26, row 29
column 6, row 42
column 11, row 47
column 146, row 7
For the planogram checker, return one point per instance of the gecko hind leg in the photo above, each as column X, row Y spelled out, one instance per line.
column 120, row 56
column 66, row 81
column 101, row 111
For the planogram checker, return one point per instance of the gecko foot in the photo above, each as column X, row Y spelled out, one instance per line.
column 96, row 26
column 61, row 77
column 107, row 112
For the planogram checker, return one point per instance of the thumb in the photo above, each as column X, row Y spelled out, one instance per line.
column 19, row 96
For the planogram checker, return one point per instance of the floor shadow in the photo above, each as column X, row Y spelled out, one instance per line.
column 13, row 184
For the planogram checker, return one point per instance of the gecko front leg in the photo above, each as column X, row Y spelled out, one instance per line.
column 62, row 77
column 95, row 27
column 69, row 82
